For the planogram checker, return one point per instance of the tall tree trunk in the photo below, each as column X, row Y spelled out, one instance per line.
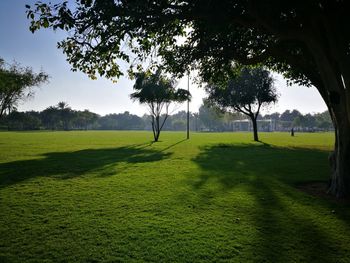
column 335, row 92
column 255, row 129
column 323, row 36
column 338, row 105
column 153, row 128
column 156, row 138
column 1, row 112
column 157, row 129
column 340, row 158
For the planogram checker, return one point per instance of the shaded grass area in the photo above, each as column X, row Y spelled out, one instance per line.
column 285, row 221
column 66, row 165
column 114, row 196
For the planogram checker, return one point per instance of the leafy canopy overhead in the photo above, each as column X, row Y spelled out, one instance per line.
column 215, row 33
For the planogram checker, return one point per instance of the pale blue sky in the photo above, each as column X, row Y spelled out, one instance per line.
column 101, row 96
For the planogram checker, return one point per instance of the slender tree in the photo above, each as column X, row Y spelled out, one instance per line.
column 157, row 92
column 245, row 93
column 16, row 84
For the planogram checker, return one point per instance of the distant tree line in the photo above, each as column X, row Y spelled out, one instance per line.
column 208, row 118
column 303, row 122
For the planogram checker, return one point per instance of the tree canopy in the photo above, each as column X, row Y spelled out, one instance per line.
column 246, row 93
column 276, row 33
column 16, row 83
column 157, row 92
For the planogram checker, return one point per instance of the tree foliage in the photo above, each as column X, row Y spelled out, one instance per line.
column 246, row 93
column 274, row 33
column 16, row 84
column 157, row 92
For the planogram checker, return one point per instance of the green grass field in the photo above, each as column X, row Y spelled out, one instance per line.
column 116, row 197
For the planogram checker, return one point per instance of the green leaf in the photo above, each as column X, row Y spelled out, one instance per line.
column 46, row 23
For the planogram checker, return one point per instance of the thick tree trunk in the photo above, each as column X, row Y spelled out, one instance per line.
column 338, row 105
column 340, row 159
column 323, row 36
column 255, row 129
column 335, row 92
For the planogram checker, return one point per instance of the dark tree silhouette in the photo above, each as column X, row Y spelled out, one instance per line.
column 157, row 92
column 84, row 119
column 15, row 85
column 65, row 113
column 51, row 118
column 307, row 41
column 245, row 93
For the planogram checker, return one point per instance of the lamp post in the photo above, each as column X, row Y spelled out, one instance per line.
column 188, row 106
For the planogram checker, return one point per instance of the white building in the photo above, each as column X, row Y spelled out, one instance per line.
column 247, row 125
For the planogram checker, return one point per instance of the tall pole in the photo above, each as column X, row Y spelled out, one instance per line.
column 188, row 106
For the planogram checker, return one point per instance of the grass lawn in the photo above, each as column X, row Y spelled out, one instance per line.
column 115, row 197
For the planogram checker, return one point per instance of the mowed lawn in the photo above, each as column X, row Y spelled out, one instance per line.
column 103, row 196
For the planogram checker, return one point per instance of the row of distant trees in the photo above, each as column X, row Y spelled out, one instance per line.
column 295, row 119
column 208, row 118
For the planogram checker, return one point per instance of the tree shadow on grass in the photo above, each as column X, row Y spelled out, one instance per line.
column 234, row 164
column 65, row 165
column 173, row 145
column 287, row 222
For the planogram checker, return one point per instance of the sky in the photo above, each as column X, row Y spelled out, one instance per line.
column 39, row 51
